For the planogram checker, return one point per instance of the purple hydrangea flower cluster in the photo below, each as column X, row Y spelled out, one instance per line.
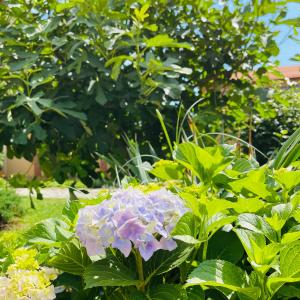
column 131, row 219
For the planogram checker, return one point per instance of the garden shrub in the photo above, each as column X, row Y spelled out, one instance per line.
column 210, row 224
column 10, row 205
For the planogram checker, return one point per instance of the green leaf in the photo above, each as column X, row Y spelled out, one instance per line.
column 225, row 246
column 163, row 261
column 100, row 96
column 109, row 272
column 280, row 214
column 71, row 258
column 48, row 233
column 167, row 170
column 290, row 260
column 250, row 205
column 257, row 224
column 289, row 267
column 219, row 273
column 165, row 292
column 289, row 292
column 71, row 209
column 163, row 40
column 217, row 221
column 195, row 293
column 187, row 225
column 254, row 182
column 117, row 61
column 201, row 161
column 289, row 179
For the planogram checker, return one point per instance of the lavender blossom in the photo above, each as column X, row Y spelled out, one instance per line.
column 131, row 219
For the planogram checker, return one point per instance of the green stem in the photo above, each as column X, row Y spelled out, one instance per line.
column 204, row 250
column 139, row 266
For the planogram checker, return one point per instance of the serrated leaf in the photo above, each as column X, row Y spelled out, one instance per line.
column 187, row 225
column 257, row 224
column 219, row 273
column 108, row 272
column 225, row 246
column 165, row 292
column 71, row 258
column 45, row 233
column 163, row 261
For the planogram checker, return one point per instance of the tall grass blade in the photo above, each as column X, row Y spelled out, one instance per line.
column 289, row 152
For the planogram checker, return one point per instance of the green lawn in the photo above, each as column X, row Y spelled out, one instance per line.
column 47, row 208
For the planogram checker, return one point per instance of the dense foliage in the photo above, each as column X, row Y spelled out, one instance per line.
column 10, row 205
column 226, row 228
column 77, row 75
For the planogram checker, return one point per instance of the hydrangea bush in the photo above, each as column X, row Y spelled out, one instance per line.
column 210, row 225
column 26, row 280
column 131, row 219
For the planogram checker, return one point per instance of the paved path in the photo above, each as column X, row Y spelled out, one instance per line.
column 62, row 193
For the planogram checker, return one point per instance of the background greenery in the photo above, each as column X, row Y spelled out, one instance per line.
column 78, row 75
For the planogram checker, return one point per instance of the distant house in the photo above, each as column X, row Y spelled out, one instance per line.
column 288, row 74
column 291, row 72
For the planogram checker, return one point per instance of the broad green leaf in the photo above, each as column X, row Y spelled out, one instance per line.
column 216, row 205
column 167, row 170
column 243, row 165
column 193, row 203
column 248, row 205
column 254, row 182
column 187, row 225
column 219, row 273
column 108, row 272
column 71, row 209
column 48, row 233
column 290, row 237
column 289, row 179
column 165, row 292
column 251, row 241
column 289, row 292
column 290, row 260
column 289, row 267
column 163, row 261
column 163, row 40
column 71, row 258
column 257, row 224
column 225, row 246
column 217, row 221
column 280, row 214
column 100, row 95
column 203, row 162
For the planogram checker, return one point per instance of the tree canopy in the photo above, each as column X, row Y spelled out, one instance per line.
column 78, row 75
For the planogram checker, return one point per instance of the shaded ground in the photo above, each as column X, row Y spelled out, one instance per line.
column 60, row 193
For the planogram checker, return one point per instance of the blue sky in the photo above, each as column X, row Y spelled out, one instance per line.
column 288, row 47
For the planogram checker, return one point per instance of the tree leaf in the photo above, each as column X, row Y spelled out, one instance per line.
column 100, row 96
column 163, row 40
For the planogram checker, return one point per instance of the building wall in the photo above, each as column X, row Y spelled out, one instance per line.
column 20, row 166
